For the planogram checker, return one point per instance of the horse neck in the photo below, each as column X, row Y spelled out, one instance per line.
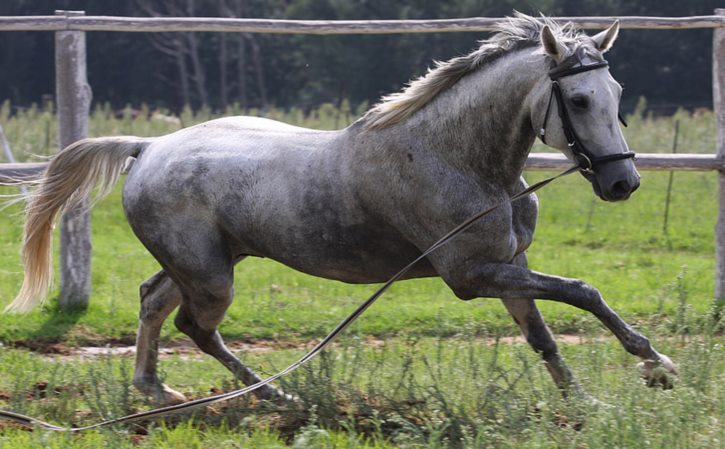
column 483, row 122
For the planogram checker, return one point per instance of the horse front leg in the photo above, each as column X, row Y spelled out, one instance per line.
column 538, row 336
column 531, row 323
column 529, row 319
column 511, row 282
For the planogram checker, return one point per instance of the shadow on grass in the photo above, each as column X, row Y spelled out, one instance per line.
column 55, row 325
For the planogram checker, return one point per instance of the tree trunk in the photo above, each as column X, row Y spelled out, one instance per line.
column 199, row 76
column 183, row 74
column 197, row 66
column 223, row 89
column 241, row 57
column 242, row 70
column 258, row 69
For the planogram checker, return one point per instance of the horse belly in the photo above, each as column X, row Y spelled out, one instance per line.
column 360, row 253
column 376, row 262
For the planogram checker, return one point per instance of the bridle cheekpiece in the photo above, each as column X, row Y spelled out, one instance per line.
column 586, row 160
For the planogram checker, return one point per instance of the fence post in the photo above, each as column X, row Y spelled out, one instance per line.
column 718, row 98
column 73, row 97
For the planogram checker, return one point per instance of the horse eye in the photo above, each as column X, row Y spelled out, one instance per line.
column 580, row 101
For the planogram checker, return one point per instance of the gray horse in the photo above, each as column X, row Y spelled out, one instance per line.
column 357, row 204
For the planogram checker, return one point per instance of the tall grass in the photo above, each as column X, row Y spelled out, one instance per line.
column 465, row 392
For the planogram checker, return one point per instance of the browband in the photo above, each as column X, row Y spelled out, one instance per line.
column 560, row 72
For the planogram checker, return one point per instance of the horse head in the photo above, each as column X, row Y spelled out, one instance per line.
column 578, row 110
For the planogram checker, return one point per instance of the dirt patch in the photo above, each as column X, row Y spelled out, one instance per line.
column 122, row 347
column 64, row 348
column 7, row 425
column 42, row 347
column 187, row 349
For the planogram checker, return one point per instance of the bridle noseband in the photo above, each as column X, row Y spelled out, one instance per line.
column 586, row 160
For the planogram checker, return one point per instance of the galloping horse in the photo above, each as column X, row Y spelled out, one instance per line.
column 357, row 204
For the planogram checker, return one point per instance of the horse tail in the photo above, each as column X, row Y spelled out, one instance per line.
column 69, row 178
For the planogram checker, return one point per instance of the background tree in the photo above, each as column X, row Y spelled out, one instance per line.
column 670, row 68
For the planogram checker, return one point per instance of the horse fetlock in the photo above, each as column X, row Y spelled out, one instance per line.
column 158, row 392
column 662, row 372
column 637, row 344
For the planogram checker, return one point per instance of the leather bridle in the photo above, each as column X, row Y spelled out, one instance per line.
column 587, row 161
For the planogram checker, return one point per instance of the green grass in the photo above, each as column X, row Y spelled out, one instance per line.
column 623, row 252
column 409, row 393
column 619, row 248
column 433, row 384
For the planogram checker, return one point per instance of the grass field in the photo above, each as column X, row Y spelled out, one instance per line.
column 437, row 381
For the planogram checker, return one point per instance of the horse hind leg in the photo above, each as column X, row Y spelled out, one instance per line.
column 159, row 297
column 205, row 301
column 209, row 340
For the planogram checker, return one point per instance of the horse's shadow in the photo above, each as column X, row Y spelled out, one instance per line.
column 54, row 330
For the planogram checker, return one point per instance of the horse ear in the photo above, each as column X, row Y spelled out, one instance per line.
column 606, row 38
column 552, row 47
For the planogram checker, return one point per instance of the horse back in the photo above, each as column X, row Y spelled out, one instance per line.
column 267, row 189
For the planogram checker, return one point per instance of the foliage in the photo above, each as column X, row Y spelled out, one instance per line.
column 306, row 71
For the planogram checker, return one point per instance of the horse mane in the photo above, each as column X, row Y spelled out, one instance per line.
column 512, row 34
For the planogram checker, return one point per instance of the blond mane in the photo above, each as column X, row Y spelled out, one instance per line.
column 512, row 34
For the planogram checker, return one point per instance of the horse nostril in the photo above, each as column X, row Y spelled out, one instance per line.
column 635, row 186
column 622, row 188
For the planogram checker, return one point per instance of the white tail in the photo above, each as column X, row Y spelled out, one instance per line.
column 70, row 177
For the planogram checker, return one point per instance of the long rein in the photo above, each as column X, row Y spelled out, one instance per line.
column 585, row 162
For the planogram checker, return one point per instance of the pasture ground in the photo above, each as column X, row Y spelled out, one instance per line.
column 437, row 381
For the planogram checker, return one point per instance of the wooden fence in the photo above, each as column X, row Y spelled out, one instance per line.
column 73, row 100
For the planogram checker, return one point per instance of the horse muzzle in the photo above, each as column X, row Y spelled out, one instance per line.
column 614, row 185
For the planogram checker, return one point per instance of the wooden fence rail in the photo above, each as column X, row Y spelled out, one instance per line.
column 28, row 172
column 276, row 26
column 25, row 172
column 75, row 24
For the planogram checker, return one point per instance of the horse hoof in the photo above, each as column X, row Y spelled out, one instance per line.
column 659, row 373
column 168, row 397
column 161, row 394
column 275, row 395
